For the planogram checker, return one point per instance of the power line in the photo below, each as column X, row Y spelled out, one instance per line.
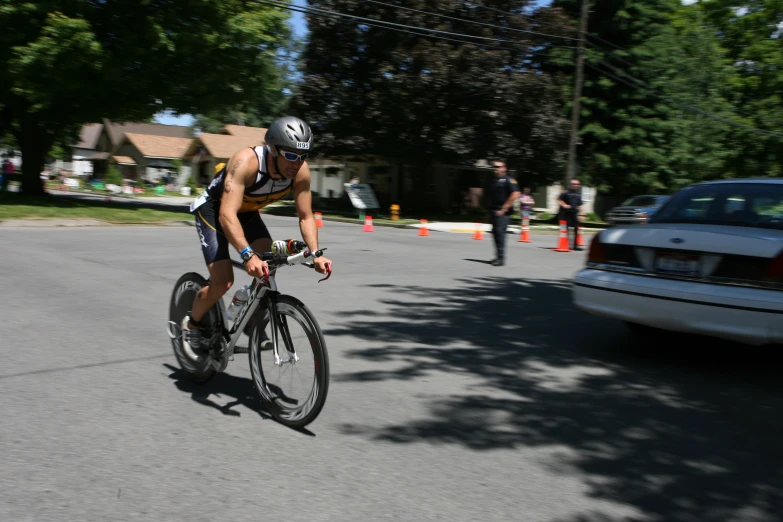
column 536, row 20
column 568, row 28
column 680, row 105
column 368, row 21
column 412, row 30
column 639, row 82
column 469, row 21
column 371, row 22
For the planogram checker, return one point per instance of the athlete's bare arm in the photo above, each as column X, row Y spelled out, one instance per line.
column 304, row 207
column 240, row 173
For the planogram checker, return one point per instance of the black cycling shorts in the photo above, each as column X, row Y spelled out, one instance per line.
column 214, row 244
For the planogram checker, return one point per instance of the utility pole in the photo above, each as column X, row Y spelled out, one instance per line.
column 580, row 51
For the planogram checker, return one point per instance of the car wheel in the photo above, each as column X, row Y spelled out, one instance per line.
column 642, row 329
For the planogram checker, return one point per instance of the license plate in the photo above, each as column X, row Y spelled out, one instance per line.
column 678, row 264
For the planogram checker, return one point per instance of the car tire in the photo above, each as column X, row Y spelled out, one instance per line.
column 642, row 329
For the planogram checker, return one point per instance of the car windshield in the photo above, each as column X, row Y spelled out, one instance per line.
column 641, row 201
column 736, row 204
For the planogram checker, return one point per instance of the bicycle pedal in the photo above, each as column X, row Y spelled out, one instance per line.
column 240, row 349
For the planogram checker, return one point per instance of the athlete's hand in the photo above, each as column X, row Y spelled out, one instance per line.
column 255, row 267
column 319, row 263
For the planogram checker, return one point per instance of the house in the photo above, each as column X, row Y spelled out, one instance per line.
column 208, row 152
column 148, row 155
column 87, row 146
column 151, row 151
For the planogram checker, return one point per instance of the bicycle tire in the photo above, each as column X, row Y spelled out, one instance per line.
column 185, row 289
column 311, row 408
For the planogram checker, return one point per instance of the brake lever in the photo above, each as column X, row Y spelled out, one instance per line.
column 266, row 274
column 328, row 272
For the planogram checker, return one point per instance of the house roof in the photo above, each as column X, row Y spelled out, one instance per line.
column 222, row 146
column 98, row 156
column 88, row 138
column 152, row 146
column 124, row 160
column 257, row 133
column 116, row 130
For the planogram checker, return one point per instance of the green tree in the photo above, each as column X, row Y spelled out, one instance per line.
column 655, row 82
column 418, row 100
column 72, row 62
column 750, row 33
column 269, row 102
column 113, row 176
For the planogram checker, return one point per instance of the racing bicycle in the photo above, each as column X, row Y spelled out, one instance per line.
column 292, row 354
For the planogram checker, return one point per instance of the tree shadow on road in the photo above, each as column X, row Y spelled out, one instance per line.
column 679, row 433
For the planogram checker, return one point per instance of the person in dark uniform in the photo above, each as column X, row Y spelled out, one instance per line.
column 570, row 206
column 503, row 191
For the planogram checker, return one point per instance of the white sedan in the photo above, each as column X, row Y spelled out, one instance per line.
column 709, row 262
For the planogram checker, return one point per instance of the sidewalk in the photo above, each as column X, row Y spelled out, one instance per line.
column 470, row 228
column 182, row 204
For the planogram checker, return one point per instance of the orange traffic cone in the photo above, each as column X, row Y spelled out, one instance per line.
column 368, row 224
column 319, row 220
column 525, row 236
column 562, row 245
column 580, row 241
column 423, row 228
column 477, row 234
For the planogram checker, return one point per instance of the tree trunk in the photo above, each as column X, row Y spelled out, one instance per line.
column 34, row 143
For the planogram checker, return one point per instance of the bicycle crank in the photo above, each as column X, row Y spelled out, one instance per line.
column 220, row 353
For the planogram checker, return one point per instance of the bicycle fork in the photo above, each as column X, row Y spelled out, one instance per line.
column 285, row 334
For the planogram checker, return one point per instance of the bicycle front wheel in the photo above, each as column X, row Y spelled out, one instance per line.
column 293, row 386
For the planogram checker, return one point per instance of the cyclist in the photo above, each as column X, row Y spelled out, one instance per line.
column 226, row 212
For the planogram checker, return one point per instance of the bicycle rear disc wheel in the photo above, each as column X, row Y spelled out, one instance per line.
column 198, row 368
column 294, row 390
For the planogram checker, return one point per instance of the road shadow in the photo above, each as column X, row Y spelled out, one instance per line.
column 679, row 427
column 225, row 385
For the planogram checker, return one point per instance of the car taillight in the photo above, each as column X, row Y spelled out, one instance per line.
column 596, row 254
column 774, row 271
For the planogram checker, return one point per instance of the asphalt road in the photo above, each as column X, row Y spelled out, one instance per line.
column 460, row 391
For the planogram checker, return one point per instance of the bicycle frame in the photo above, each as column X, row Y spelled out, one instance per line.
column 259, row 292
column 264, row 292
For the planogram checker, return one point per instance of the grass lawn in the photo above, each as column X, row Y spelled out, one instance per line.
column 13, row 206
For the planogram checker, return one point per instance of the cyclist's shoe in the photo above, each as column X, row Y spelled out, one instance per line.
column 265, row 342
column 191, row 338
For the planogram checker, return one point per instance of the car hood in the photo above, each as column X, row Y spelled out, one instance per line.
column 719, row 239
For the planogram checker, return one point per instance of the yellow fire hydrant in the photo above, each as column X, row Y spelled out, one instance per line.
column 395, row 212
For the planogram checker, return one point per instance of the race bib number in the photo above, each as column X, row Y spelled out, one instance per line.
column 302, row 145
